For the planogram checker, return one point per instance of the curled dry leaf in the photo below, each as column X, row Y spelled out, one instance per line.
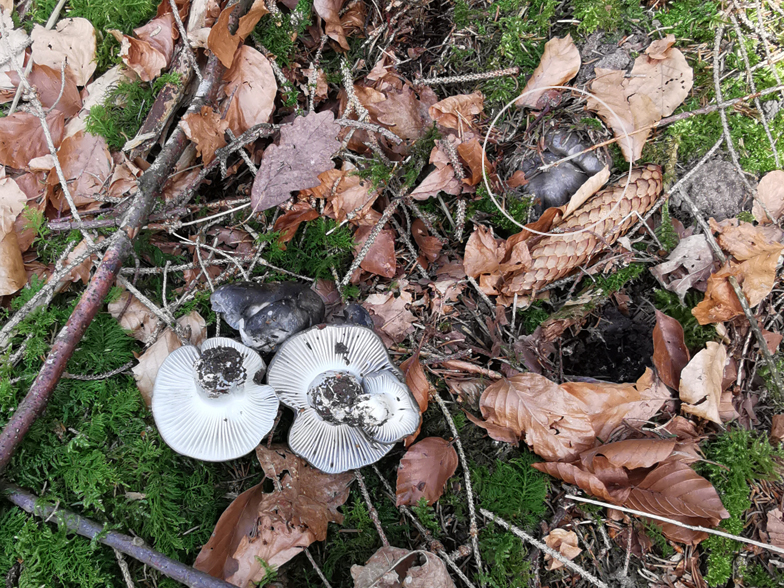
column 439, row 180
column 483, row 253
column 403, row 113
column 17, row 154
column 700, row 385
column 560, row 62
column 393, row 567
column 288, row 223
column 12, row 202
column 71, row 41
column 380, row 258
column 137, row 318
column 688, row 266
column 220, row 40
column 251, row 88
column 424, row 471
column 670, row 354
column 457, row 112
column 417, row 382
column 150, row 361
column 329, row 10
column 48, row 82
column 150, row 52
column 207, row 130
column 777, row 429
column 770, row 198
column 275, row 526
column 565, row 543
column 305, row 151
column 429, row 246
column 658, row 83
column 397, row 321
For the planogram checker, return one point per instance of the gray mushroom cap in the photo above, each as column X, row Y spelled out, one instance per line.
column 206, row 404
column 350, row 404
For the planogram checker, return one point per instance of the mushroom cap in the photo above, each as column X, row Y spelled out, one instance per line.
column 211, row 428
column 331, row 446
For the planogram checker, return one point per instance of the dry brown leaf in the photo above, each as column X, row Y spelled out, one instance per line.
column 137, row 318
column 572, row 474
column 560, row 62
column 275, row 526
column 670, row 354
column 51, row 91
column 288, row 223
column 397, row 320
column 591, row 186
column 380, row 258
column 222, row 43
column 329, row 10
column 770, row 197
column 700, row 386
column 405, row 114
column 305, row 151
column 73, row 41
column 439, row 180
column 458, row 112
column 483, row 253
column 633, row 453
column 424, row 471
column 777, row 428
column 745, row 241
column 150, row 361
column 528, row 406
column 429, row 246
column 775, row 527
column 15, row 47
column 417, row 382
column 393, row 567
column 688, row 266
column 12, row 272
column 207, row 130
column 565, row 543
column 86, row 164
column 472, row 153
column 658, row 83
column 17, row 154
column 251, row 87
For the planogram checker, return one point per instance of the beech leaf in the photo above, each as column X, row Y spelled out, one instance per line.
column 72, row 41
column 306, row 149
column 207, row 130
column 396, row 320
column 565, row 543
column 700, row 385
column 417, row 382
column 560, row 62
column 251, row 88
column 670, row 354
column 770, row 197
column 393, row 567
column 424, row 471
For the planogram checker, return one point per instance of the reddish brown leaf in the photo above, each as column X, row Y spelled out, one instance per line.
column 49, row 82
column 700, row 386
column 439, row 180
column 329, row 10
column 457, row 112
column 288, row 223
column 251, row 88
column 471, row 152
column 560, row 62
column 305, row 151
column 483, row 253
column 417, row 382
column 404, row 114
column 424, row 471
column 571, row 474
column 670, row 354
column 207, row 130
column 86, row 164
column 634, row 453
column 17, row 154
column 397, row 320
column 565, row 543
column 71, row 41
column 429, row 246
column 222, row 43
column 770, row 197
column 380, row 258
column 777, row 429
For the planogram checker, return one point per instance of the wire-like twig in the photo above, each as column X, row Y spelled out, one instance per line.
column 317, row 568
column 371, row 509
column 106, row 376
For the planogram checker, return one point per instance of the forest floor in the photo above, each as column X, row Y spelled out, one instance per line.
column 96, row 451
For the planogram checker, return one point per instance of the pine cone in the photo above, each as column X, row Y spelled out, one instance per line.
column 555, row 256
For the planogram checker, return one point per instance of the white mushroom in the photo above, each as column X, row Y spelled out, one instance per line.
column 207, row 404
column 350, row 404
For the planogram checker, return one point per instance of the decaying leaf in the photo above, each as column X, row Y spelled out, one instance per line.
column 775, row 527
column 393, row 567
column 17, row 43
column 439, row 180
column 429, row 246
column 397, row 320
column 770, row 198
column 560, row 62
column 274, row 526
column 288, row 223
column 417, row 382
column 565, row 543
column 71, row 41
column 220, row 40
column 688, row 266
column 305, row 151
column 207, row 130
column 48, row 83
column 18, row 154
column 150, row 361
column 658, row 83
column 136, row 318
column 424, row 471
column 700, row 385
column 670, row 354
column 380, row 258
column 12, row 202
column 251, row 88
column 457, row 112
column 777, row 428
column 329, row 10
column 86, row 164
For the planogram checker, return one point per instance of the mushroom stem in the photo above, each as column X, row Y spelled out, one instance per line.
column 123, row 543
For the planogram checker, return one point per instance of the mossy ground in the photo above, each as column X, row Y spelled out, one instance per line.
column 96, row 449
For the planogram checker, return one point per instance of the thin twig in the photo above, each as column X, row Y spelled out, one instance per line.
column 639, row 513
column 126, row 573
column 371, row 509
column 106, row 376
column 544, row 548
column 123, row 543
column 499, row 73
column 317, row 568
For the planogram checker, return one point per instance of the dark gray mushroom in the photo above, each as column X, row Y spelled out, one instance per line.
column 206, row 403
column 354, row 314
column 268, row 314
column 350, row 404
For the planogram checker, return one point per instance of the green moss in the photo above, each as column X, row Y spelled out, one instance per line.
column 513, row 489
column 123, row 112
column 518, row 209
column 598, row 14
column 733, row 460
column 427, row 516
column 746, row 217
column 279, row 33
column 505, row 559
column 666, row 232
column 694, row 20
column 620, row 278
column 695, row 334
column 655, row 534
column 756, row 576
column 533, row 316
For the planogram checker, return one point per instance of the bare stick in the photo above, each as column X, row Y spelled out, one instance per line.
column 544, row 548
column 107, row 375
column 474, row 531
column 317, row 568
column 639, row 513
column 371, row 509
column 123, row 543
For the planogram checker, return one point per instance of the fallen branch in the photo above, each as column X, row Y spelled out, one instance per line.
column 118, row 541
column 150, row 185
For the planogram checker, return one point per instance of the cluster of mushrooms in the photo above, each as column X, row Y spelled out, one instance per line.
column 350, row 402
